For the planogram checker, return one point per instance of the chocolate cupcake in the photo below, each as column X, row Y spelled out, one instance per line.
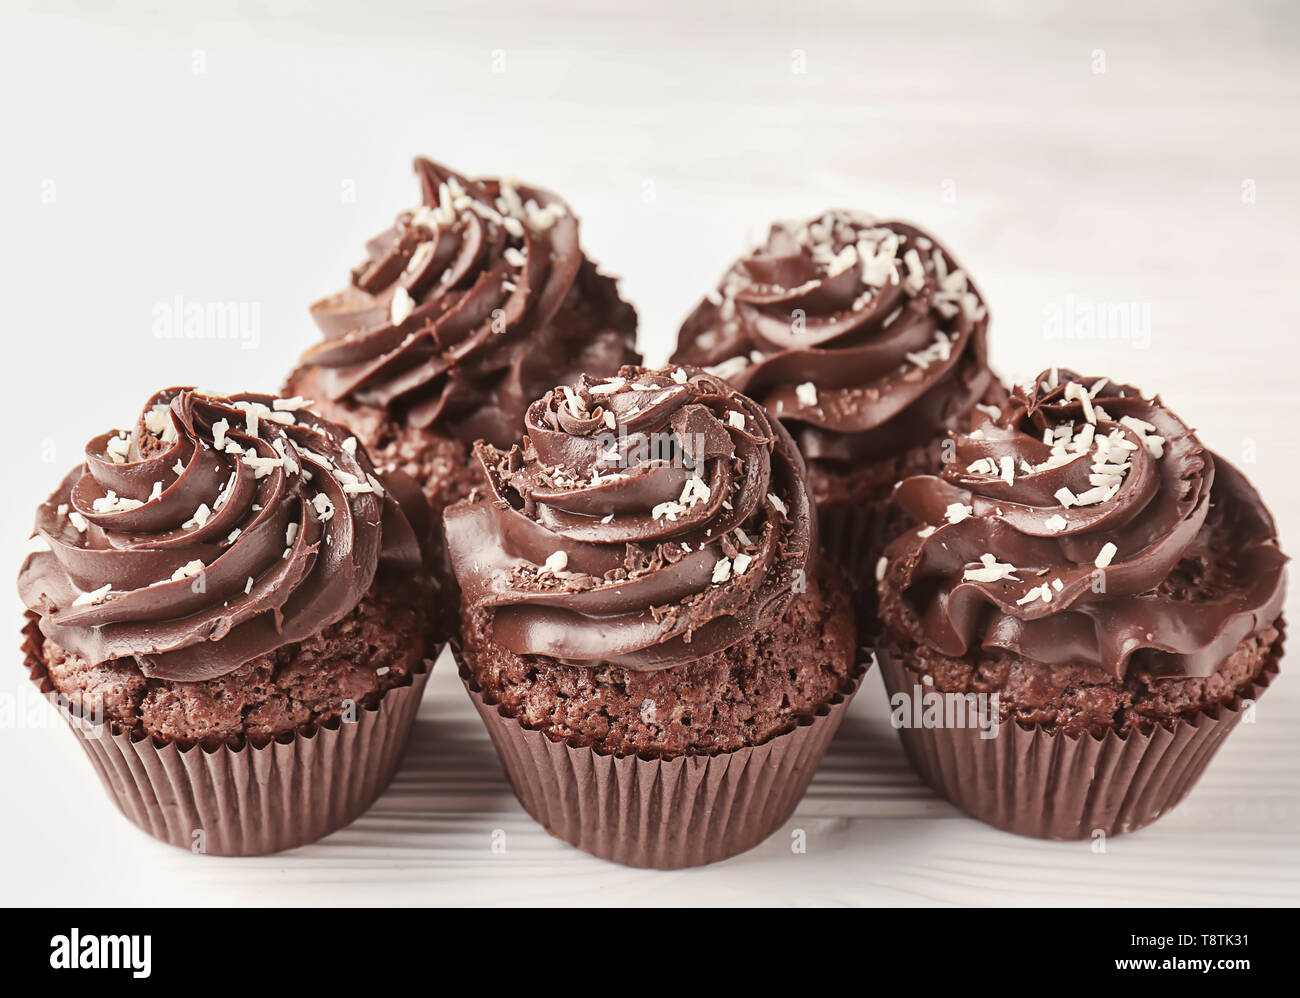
column 1110, row 587
column 647, row 631
column 233, row 617
column 867, row 339
column 465, row 310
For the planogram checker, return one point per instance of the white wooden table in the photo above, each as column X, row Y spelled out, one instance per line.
column 246, row 162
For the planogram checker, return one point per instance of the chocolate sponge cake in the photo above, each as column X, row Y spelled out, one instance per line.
column 1108, row 583
column 377, row 647
column 229, row 581
column 641, row 588
column 719, row 703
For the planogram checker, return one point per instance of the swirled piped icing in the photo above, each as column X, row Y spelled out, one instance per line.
column 648, row 520
column 865, row 337
column 1087, row 524
column 217, row 530
column 468, row 307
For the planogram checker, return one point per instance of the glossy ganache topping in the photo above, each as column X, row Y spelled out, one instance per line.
column 215, row 531
column 1087, row 524
column 866, row 337
column 468, row 307
column 648, row 520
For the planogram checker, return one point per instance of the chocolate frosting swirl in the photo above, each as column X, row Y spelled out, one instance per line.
column 468, row 307
column 1087, row 524
column 647, row 521
column 866, row 337
column 216, row 531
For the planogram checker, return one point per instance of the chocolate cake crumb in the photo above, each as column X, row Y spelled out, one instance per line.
column 743, row 695
column 1075, row 698
column 373, row 649
column 444, row 467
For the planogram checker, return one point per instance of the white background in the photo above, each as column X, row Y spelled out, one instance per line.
column 153, row 153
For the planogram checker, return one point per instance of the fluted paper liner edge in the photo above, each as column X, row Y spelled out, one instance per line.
column 247, row 800
column 1035, row 782
column 850, row 535
column 854, row 537
column 646, row 812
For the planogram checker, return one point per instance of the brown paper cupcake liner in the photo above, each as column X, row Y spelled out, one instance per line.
column 1036, row 782
column 854, row 537
column 250, row 800
column 686, row 811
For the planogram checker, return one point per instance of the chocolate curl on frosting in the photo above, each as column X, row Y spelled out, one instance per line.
column 1077, row 526
column 468, row 306
column 866, row 337
column 647, row 521
column 217, row 531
